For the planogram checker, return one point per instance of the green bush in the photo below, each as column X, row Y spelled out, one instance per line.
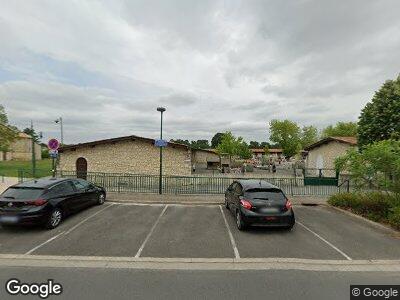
column 45, row 153
column 394, row 217
column 377, row 206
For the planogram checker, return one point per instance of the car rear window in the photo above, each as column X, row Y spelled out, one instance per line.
column 22, row 193
column 265, row 194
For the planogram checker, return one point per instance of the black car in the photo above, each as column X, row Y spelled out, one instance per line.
column 259, row 203
column 47, row 201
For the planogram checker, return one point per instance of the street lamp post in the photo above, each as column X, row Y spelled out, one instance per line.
column 161, row 110
column 60, row 120
column 33, row 152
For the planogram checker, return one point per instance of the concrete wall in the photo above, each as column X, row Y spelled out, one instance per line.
column 324, row 156
column 139, row 157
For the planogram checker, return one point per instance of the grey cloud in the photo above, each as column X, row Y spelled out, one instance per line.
column 215, row 65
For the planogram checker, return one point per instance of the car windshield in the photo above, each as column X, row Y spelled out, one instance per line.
column 265, row 194
column 22, row 193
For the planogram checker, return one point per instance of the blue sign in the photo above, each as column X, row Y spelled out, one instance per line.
column 53, row 153
column 160, row 143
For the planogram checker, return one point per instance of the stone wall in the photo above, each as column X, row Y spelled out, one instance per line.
column 324, row 156
column 136, row 156
column 21, row 149
column 200, row 158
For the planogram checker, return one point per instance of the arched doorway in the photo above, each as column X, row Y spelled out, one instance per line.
column 81, row 168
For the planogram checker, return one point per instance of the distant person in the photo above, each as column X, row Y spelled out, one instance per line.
column 273, row 168
column 194, row 168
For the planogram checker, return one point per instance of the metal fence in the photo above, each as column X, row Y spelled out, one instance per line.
column 139, row 183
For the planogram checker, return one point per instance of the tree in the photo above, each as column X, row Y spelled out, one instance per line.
column 243, row 150
column 179, row 141
column 380, row 118
column 377, row 165
column 265, row 144
column 233, row 146
column 340, row 129
column 200, row 144
column 32, row 133
column 7, row 133
column 216, row 140
column 309, row 135
column 287, row 134
column 254, row 145
column 3, row 115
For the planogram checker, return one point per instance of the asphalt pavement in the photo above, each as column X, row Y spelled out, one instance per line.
column 182, row 231
column 154, row 251
column 99, row 284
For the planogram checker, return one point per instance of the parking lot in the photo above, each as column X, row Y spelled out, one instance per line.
column 209, row 231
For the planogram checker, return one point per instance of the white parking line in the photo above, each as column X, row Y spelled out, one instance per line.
column 324, row 240
column 151, row 231
column 66, row 232
column 86, row 219
column 235, row 249
column 44, row 243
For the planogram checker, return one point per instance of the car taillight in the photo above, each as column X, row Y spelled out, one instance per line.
column 288, row 205
column 245, row 204
column 38, row 202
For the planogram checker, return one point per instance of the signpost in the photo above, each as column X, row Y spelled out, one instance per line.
column 53, row 146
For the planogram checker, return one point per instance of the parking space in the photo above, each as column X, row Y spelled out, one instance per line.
column 118, row 231
column 21, row 240
column 190, row 232
column 353, row 236
column 266, row 242
column 181, row 231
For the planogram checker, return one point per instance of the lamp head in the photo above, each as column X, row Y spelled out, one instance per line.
column 161, row 109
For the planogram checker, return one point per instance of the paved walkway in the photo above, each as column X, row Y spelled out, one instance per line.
column 6, row 182
column 195, row 199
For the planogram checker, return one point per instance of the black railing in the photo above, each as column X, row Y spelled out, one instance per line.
column 140, row 183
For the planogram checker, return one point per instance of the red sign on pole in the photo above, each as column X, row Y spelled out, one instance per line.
column 53, row 144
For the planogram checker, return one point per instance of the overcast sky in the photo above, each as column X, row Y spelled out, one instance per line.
column 104, row 66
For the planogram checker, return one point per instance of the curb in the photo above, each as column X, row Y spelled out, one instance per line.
column 19, row 260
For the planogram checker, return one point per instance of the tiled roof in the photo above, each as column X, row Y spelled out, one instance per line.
column 351, row 140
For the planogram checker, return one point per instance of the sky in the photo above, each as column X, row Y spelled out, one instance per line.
column 105, row 66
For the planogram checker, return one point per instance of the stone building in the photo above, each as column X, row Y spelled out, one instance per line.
column 322, row 154
column 272, row 153
column 21, row 149
column 205, row 159
column 129, row 154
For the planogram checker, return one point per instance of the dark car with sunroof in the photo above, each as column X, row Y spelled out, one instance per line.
column 259, row 203
column 47, row 201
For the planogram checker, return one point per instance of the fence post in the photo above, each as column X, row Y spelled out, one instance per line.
column 291, row 186
column 20, row 176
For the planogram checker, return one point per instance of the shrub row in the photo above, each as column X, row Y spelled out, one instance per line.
column 376, row 206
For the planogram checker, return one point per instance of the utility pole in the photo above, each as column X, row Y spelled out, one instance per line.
column 161, row 110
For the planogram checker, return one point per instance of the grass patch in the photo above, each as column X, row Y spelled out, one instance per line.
column 376, row 206
column 10, row 168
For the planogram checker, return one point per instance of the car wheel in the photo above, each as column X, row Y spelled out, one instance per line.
column 239, row 221
column 102, row 199
column 226, row 204
column 55, row 218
